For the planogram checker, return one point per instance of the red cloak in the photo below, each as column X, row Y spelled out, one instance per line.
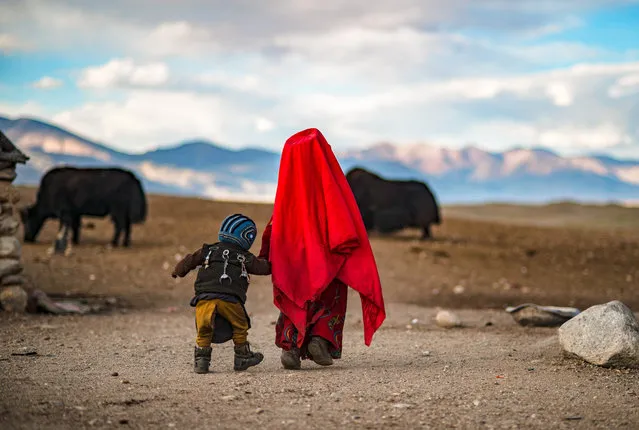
column 318, row 235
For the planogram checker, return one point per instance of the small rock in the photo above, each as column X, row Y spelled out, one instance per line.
column 426, row 353
column 447, row 319
column 10, row 266
column 8, row 225
column 166, row 265
column 10, row 247
column 13, row 280
column 115, row 374
column 92, row 277
column 414, row 321
column 459, row 289
column 605, row 335
column 14, row 299
column 476, row 403
column 228, row 398
column 125, row 381
column 402, row 406
column 259, row 411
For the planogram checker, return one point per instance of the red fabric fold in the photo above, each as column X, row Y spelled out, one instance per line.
column 317, row 235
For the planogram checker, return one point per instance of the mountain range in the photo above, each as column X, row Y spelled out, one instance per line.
column 467, row 175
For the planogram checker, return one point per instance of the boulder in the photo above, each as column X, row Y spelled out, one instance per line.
column 8, row 225
column 605, row 335
column 14, row 299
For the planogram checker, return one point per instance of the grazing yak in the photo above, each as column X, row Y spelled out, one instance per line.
column 68, row 193
column 388, row 206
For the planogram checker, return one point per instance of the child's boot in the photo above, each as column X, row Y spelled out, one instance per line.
column 291, row 359
column 245, row 358
column 202, row 359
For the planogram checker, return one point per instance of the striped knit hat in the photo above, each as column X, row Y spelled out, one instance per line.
column 239, row 230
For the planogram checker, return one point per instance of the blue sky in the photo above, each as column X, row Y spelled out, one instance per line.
column 492, row 73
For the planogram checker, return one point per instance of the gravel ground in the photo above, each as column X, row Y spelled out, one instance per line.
column 134, row 370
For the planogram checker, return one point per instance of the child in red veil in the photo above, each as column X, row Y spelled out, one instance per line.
column 317, row 245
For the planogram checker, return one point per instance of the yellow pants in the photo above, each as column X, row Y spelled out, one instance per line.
column 205, row 311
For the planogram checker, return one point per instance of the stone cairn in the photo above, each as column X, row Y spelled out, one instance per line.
column 13, row 297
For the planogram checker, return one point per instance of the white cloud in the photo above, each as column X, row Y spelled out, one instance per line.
column 47, row 83
column 361, row 71
column 544, row 109
column 249, row 82
column 625, row 86
column 10, row 43
column 183, row 178
column 584, row 137
column 148, row 118
column 263, row 124
column 559, row 93
column 246, row 191
column 124, row 72
column 177, row 38
column 202, row 26
column 28, row 108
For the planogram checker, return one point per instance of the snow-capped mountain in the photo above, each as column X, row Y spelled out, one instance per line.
column 201, row 168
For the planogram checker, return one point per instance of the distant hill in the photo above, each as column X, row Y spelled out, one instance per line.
column 470, row 175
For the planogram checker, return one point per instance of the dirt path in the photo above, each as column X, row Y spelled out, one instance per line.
column 482, row 376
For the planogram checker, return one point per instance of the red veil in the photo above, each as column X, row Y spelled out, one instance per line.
column 317, row 235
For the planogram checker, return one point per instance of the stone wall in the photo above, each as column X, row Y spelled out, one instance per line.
column 12, row 294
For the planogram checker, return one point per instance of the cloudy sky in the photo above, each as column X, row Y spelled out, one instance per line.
column 138, row 74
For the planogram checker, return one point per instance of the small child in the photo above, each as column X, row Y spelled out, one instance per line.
column 220, row 291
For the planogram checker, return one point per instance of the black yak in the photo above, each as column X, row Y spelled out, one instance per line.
column 388, row 206
column 68, row 193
